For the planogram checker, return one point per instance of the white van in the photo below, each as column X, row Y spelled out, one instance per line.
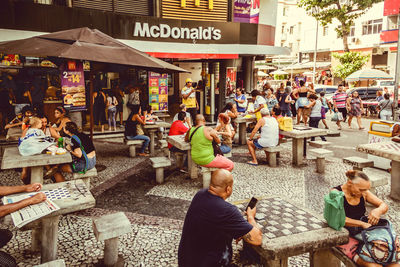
column 384, row 83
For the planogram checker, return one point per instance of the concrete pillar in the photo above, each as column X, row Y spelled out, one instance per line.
column 272, row 159
column 323, row 257
column 242, row 133
column 297, row 151
column 76, row 116
column 395, row 180
column 37, row 174
column 193, row 170
column 132, row 151
column 111, row 251
column 206, row 179
column 49, row 238
column 222, row 84
column 320, row 165
column 36, row 239
column 159, row 175
column 248, row 73
column 179, row 159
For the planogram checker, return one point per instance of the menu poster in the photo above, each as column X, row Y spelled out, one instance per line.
column 73, row 85
column 230, row 80
column 158, row 91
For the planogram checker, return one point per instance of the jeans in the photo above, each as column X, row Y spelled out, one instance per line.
column 225, row 149
column 111, row 117
column 314, row 121
column 145, row 138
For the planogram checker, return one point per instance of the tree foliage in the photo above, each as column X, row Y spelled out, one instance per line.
column 345, row 11
column 349, row 63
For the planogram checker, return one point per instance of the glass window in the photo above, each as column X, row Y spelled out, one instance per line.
column 372, row 26
column 291, row 30
column 325, row 31
column 352, row 30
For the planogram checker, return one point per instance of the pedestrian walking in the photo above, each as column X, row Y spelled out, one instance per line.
column 324, row 109
column 355, row 107
column 385, row 108
column 315, row 115
column 339, row 104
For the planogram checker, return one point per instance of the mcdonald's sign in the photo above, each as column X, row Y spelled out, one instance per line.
column 197, row 4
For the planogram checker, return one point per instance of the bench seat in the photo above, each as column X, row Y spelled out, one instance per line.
column 272, row 155
column 343, row 258
column 206, row 173
column 358, row 163
column 320, row 144
column 132, row 146
column 85, row 176
column 159, row 163
column 320, row 154
column 55, row 263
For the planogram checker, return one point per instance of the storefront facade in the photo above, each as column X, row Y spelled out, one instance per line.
column 208, row 37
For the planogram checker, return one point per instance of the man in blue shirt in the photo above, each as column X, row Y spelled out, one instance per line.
column 211, row 224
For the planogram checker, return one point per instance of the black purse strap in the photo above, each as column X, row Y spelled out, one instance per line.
column 190, row 137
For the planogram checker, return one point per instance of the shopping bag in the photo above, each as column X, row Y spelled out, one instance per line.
column 340, row 116
column 334, row 212
column 334, row 117
column 285, row 124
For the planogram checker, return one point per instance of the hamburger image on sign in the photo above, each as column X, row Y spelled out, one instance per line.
column 79, row 99
column 68, row 99
column 72, row 90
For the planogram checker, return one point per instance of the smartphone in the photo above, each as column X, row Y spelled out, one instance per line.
column 252, row 203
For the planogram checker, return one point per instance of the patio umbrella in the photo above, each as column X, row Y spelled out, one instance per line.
column 367, row 74
column 86, row 44
column 261, row 74
column 308, row 73
column 279, row 72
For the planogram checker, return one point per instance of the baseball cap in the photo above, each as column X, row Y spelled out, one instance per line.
column 188, row 80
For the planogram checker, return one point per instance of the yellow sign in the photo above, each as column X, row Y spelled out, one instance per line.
column 197, row 4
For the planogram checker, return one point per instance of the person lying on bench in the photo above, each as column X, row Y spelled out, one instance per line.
column 7, row 260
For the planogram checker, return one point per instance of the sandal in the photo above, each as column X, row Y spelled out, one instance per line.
column 143, row 154
column 252, row 163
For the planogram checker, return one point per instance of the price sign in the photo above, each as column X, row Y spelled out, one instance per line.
column 73, row 86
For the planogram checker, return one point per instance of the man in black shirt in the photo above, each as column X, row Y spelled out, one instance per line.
column 211, row 224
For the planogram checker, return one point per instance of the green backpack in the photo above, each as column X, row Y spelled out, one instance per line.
column 334, row 209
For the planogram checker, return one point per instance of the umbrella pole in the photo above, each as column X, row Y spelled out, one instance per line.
column 91, row 105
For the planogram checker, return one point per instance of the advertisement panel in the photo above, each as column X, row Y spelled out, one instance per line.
column 158, row 91
column 73, row 85
column 246, row 11
column 230, row 80
column 254, row 11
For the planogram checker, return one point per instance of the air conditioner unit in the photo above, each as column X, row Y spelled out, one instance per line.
column 377, row 51
column 353, row 40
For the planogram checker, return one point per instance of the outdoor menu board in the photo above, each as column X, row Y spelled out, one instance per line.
column 158, row 91
column 73, row 85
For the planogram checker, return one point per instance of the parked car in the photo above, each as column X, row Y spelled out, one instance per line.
column 384, row 83
column 328, row 89
column 366, row 93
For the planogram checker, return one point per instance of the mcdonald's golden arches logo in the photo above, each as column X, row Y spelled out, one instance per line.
column 197, row 4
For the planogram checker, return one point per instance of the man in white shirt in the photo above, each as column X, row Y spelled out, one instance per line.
column 189, row 98
column 187, row 122
column 269, row 135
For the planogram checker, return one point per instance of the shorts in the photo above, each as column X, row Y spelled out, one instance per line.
column 220, row 162
column 302, row 102
column 344, row 112
column 257, row 145
column 323, row 113
column 80, row 164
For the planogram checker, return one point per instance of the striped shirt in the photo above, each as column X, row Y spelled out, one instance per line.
column 340, row 99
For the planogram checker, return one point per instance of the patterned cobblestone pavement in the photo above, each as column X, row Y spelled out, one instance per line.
column 156, row 212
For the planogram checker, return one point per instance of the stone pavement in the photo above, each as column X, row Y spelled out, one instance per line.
column 156, row 212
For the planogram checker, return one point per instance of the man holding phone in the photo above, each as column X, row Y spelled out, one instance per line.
column 212, row 223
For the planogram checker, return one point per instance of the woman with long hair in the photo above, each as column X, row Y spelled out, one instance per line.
column 355, row 107
column 134, row 131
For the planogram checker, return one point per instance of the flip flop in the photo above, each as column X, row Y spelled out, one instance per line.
column 251, row 163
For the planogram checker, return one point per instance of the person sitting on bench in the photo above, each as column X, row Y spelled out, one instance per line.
column 7, row 260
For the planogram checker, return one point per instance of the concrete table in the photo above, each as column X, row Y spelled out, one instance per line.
column 242, row 121
column 152, row 129
column 14, row 133
column 289, row 230
column 45, row 230
column 178, row 141
column 13, row 159
column 299, row 142
column 389, row 150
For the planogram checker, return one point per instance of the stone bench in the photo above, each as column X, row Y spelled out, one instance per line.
column 320, row 154
column 206, row 173
column 159, row 163
column 377, row 178
column 163, row 145
column 272, row 155
column 343, row 258
column 320, row 144
column 358, row 163
column 85, row 176
column 56, row 263
column 132, row 146
column 108, row 228
column 228, row 155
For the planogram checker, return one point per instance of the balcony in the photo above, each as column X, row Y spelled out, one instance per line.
column 389, row 36
column 392, row 7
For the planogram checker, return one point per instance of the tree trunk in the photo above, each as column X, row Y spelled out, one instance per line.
column 345, row 34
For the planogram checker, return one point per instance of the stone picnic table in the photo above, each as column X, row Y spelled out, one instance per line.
column 290, row 230
column 152, row 129
column 389, row 150
column 45, row 229
column 178, row 141
column 299, row 141
column 242, row 121
column 14, row 133
column 12, row 159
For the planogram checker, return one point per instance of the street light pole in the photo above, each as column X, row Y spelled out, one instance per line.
column 397, row 74
column 315, row 53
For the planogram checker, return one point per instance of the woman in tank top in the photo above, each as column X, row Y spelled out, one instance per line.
column 302, row 102
column 355, row 107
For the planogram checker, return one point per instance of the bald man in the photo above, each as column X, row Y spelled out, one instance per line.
column 212, row 223
column 201, row 140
